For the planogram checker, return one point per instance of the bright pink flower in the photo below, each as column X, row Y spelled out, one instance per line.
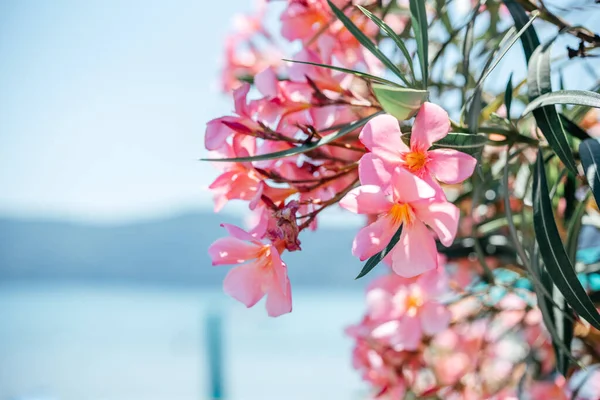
column 412, row 205
column 303, row 18
column 382, row 136
column 411, row 311
column 262, row 271
column 219, row 129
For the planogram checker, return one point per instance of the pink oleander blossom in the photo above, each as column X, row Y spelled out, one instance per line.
column 262, row 271
column 412, row 205
column 382, row 136
column 410, row 312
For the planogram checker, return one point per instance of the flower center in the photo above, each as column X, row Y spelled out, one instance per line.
column 413, row 302
column 415, row 160
column 401, row 213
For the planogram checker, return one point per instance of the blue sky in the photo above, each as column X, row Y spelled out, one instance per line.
column 103, row 105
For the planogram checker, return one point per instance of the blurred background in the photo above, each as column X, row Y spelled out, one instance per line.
column 106, row 291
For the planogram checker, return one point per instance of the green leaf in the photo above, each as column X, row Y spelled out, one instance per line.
column 348, row 71
column 572, row 128
column 539, row 84
column 402, row 103
column 553, row 253
column 392, row 35
column 529, row 38
column 465, row 142
column 574, row 228
column 377, row 258
column 365, row 41
column 346, row 129
column 419, row 25
column 579, row 97
column 549, row 311
column 589, row 151
column 508, row 94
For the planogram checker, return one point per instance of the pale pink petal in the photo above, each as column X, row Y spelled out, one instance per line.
column 223, row 181
column 239, row 98
column 266, row 82
column 441, row 216
column 279, row 270
column 450, row 166
column 408, row 188
column 431, row 124
column 244, row 283
column 367, row 199
column 257, row 196
column 373, row 238
column 379, row 304
column 433, row 283
column 408, row 337
column 239, row 233
column 435, row 317
column 217, row 133
column 279, row 299
column 381, row 135
column 415, row 253
column 372, row 171
column 230, row 250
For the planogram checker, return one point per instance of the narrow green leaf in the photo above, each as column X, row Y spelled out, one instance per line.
column 508, row 95
column 548, row 310
column 539, row 84
column 365, row 41
column 465, row 142
column 574, row 228
column 512, row 41
column 474, row 111
column 419, row 25
column 529, row 38
column 303, row 148
column 553, row 253
column 392, row 35
column 348, row 71
column 589, row 151
column 579, row 97
column 402, row 103
column 572, row 128
column 377, row 258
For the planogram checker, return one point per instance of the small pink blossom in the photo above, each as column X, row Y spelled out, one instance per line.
column 411, row 311
column 412, row 205
column 262, row 271
column 382, row 136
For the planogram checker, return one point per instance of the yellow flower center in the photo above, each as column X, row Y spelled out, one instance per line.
column 415, row 160
column 401, row 213
column 413, row 302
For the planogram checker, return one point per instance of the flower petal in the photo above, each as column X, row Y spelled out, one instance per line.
column 366, row 199
column 244, row 283
column 279, row 295
column 408, row 337
column 230, row 250
column 431, row 124
column 266, row 82
column 433, row 283
column 441, row 216
column 451, row 166
column 381, row 135
column 408, row 188
column 217, row 133
column 239, row 233
column 434, row 317
column 372, row 171
column 373, row 238
column 415, row 252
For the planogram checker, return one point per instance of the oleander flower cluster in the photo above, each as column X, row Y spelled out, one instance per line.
column 472, row 217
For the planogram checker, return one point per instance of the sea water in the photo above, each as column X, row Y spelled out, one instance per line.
column 111, row 342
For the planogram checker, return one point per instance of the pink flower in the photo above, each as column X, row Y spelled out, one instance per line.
column 262, row 271
column 412, row 205
column 411, row 310
column 382, row 134
column 219, row 129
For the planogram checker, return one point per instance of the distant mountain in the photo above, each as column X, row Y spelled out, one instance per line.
column 167, row 251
